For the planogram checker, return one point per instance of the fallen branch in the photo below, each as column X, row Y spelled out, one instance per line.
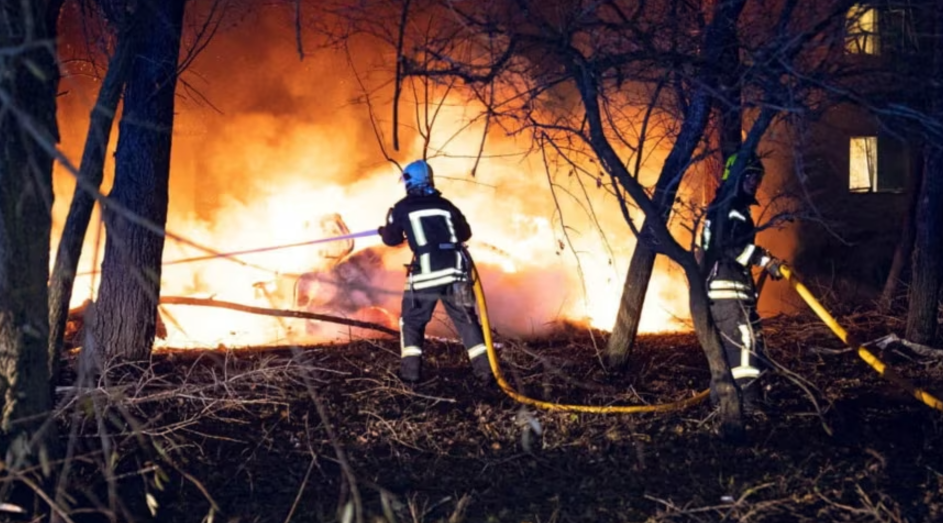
column 923, row 350
column 205, row 302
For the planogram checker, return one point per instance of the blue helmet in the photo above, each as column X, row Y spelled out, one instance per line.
column 417, row 177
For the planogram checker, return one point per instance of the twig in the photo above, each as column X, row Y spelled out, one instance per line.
column 398, row 85
column 52, row 505
column 301, row 489
column 204, row 302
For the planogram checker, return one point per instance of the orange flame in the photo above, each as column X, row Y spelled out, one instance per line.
column 290, row 149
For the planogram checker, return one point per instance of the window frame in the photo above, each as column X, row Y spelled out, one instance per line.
column 878, row 163
column 863, row 163
column 863, row 30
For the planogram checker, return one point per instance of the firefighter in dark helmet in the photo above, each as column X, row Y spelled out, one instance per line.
column 440, row 270
column 728, row 240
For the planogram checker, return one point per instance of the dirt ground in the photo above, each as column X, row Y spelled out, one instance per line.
column 329, row 433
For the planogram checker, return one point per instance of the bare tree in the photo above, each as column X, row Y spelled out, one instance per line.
column 29, row 78
column 145, row 35
column 122, row 19
column 720, row 46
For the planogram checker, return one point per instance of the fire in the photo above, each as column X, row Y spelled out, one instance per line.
column 274, row 170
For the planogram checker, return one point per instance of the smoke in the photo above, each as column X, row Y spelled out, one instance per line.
column 266, row 147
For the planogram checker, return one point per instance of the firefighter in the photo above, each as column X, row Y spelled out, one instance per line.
column 730, row 252
column 440, row 270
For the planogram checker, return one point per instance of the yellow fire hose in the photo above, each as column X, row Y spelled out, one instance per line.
column 864, row 353
column 801, row 289
column 612, row 409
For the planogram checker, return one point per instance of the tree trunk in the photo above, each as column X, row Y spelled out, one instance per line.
column 928, row 253
column 923, row 306
column 124, row 318
column 905, row 246
column 629, row 316
column 29, row 78
column 91, row 172
column 643, row 258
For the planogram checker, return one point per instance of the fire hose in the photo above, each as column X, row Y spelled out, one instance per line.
column 866, row 355
column 520, row 398
column 823, row 314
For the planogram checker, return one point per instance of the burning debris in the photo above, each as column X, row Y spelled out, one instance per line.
column 281, row 145
column 346, row 289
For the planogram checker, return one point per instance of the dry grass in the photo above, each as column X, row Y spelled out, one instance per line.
column 331, row 434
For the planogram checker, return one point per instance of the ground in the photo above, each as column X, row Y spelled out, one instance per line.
column 329, row 433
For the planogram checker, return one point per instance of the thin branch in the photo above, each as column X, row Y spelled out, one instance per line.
column 398, row 82
column 298, row 39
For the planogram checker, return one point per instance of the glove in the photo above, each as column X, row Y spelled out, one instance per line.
column 380, row 230
column 773, row 268
column 769, row 263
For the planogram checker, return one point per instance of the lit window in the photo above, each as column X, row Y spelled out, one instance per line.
column 861, row 35
column 863, row 163
column 878, row 164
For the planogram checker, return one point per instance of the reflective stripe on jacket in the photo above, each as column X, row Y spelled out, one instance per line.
column 435, row 230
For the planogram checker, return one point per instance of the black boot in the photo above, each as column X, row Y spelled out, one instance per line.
column 410, row 369
column 751, row 397
column 482, row 368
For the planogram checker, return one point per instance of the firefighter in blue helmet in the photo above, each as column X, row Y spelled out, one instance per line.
column 728, row 241
column 440, row 270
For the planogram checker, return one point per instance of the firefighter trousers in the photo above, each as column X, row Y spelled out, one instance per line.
column 418, row 305
column 733, row 306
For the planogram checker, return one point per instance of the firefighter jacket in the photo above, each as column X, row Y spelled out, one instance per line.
column 728, row 240
column 435, row 230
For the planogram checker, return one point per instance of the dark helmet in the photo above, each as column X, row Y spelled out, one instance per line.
column 753, row 171
column 417, row 177
column 754, row 166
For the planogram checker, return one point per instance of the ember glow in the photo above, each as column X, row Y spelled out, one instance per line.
column 288, row 152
